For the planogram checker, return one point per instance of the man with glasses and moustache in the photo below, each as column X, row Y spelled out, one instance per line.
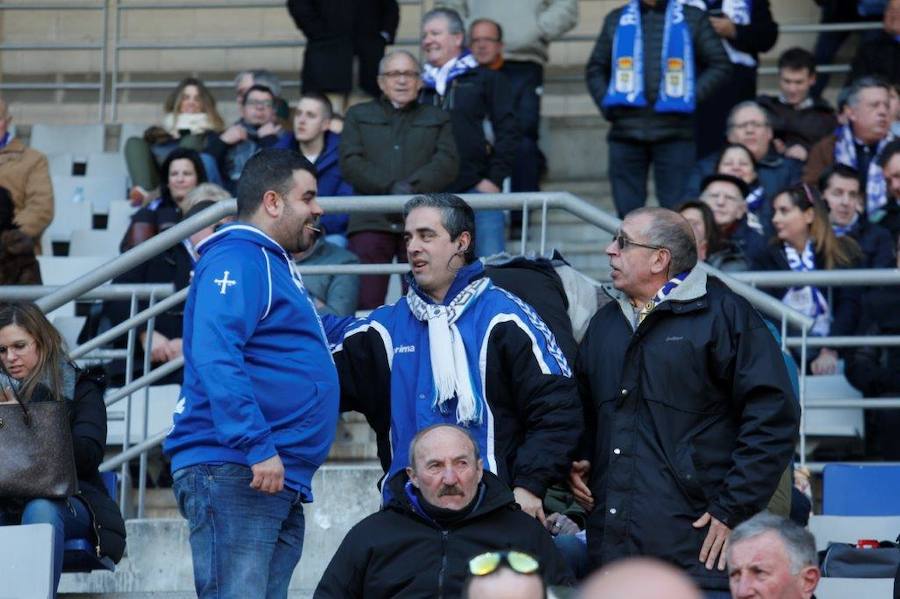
column 393, row 145
column 690, row 418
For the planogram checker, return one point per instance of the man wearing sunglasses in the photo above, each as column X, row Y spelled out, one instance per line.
column 690, row 418
column 448, row 518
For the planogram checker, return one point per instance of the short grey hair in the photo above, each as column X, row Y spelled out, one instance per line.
column 456, row 216
column 748, row 104
column 862, row 83
column 455, row 23
column 204, row 192
column 261, row 77
column 799, row 543
column 382, row 64
column 421, row 434
column 672, row 231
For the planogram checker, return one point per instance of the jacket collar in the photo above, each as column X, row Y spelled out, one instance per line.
column 692, row 288
column 240, row 230
column 464, row 276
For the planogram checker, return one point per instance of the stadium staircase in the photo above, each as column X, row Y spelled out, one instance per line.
column 572, row 137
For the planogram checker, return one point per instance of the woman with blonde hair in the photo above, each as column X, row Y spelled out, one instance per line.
column 36, row 368
column 190, row 116
column 804, row 241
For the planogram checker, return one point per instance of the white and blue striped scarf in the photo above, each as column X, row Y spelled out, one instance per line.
column 808, row 300
column 876, row 188
column 437, row 78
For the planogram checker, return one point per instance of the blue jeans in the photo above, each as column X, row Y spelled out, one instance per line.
column 574, row 552
column 244, row 543
column 629, row 164
column 490, row 232
column 69, row 518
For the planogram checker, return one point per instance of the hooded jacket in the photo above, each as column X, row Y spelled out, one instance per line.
column 331, row 183
column 258, row 376
column 401, row 552
column 690, row 412
column 531, row 421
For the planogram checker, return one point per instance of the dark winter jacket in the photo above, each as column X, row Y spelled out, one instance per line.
column 382, row 146
column 804, row 126
column 154, row 218
column 692, row 412
column 331, row 183
column 875, row 242
column 891, row 218
column 401, row 552
column 479, row 94
column 759, row 35
column 225, row 154
column 338, row 293
column 844, row 301
column 18, row 264
column 879, row 57
column 876, row 370
column 737, row 251
column 645, row 124
column 335, row 30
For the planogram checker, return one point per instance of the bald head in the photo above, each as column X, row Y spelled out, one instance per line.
column 639, row 578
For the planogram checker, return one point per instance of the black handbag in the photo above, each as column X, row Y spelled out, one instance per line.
column 841, row 560
column 36, row 455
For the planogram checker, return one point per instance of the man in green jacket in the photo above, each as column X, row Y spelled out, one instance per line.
column 393, row 145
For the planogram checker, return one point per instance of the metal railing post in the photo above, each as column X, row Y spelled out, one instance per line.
column 524, row 227
column 124, row 475
column 103, row 57
column 543, row 226
column 803, row 356
column 142, row 468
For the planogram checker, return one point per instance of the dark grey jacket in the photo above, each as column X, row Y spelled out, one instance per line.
column 381, row 146
column 645, row 124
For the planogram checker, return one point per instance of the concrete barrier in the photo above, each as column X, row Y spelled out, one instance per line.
column 158, row 559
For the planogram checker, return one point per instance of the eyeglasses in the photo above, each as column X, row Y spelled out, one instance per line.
column 487, row 563
column 623, row 243
column 260, row 103
column 18, row 348
column 712, row 196
column 399, row 74
column 749, row 125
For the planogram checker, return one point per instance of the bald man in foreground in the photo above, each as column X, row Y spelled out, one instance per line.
column 639, row 578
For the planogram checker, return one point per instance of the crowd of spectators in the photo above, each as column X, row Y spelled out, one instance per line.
column 779, row 182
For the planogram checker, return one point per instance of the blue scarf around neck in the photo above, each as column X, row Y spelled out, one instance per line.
column 876, row 187
column 676, row 86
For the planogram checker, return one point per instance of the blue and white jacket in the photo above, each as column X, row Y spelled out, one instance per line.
column 532, row 419
column 258, row 375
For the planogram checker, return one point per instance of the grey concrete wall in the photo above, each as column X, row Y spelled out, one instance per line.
column 158, row 559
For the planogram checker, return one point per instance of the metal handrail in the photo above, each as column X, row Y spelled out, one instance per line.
column 114, row 291
column 840, row 277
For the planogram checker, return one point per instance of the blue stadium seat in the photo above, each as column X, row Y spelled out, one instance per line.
column 861, row 490
column 80, row 554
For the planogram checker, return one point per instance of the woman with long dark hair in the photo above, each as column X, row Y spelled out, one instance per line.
column 804, row 241
column 35, row 368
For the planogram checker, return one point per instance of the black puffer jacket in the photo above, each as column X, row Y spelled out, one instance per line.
column 645, row 124
column 692, row 412
column 88, row 417
column 475, row 96
column 400, row 552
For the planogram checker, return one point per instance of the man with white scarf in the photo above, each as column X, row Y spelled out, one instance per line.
column 458, row 350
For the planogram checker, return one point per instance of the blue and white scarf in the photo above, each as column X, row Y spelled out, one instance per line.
column 808, row 300
column 437, row 78
column 450, row 366
column 841, row 230
column 662, row 295
column 739, row 12
column 676, row 86
column 755, row 199
column 876, row 188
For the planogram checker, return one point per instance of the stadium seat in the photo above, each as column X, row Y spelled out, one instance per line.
column 162, row 403
column 60, row 270
column 67, row 216
column 850, row 490
column 100, row 191
column 844, row 588
column 106, row 164
column 850, row 529
column 26, row 561
column 833, row 422
column 76, row 139
column 60, row 164
column 81, row 554
column 119, row 216
column 70, row 328
column 93, row 242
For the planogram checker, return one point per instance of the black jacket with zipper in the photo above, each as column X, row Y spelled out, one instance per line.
column 691, row 412
column 400, row 552
column 644, row 124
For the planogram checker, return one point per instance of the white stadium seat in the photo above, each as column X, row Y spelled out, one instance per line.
column 76, row 139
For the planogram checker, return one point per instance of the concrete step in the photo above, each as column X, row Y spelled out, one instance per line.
column 158, row 559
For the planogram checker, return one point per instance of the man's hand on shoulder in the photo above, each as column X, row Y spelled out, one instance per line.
column 269, row 129
column 530, row 503
column 578, row 484
column 716, row 541
column 234, row 134
column 268, row 475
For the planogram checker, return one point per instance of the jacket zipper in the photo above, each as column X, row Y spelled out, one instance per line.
column 95, row 526
column 443, row 569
